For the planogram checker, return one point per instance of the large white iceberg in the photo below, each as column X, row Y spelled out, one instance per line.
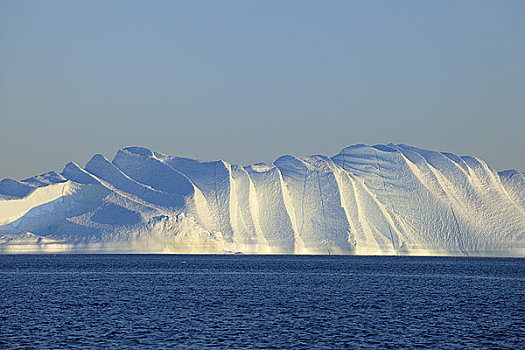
column 382, row 199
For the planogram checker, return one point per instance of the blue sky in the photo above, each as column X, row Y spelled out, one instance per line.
column 248, row 81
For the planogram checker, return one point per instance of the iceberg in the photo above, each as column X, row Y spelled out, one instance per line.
column 365, row 200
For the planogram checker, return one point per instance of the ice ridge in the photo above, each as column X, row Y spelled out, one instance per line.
column 380, row 199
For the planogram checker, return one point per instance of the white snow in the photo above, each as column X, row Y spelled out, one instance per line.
column 382, row 199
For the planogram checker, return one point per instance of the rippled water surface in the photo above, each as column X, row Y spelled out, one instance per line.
column 145, row 301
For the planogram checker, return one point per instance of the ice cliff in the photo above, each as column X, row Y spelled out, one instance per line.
column 382, row 199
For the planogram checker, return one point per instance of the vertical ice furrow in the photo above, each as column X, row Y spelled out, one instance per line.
column 355, row 214
column 391, row 207
column 475, row 180
column 511, row 180
column 202, row 210
column 334, row 214
column 445, row 192
column 428, row 190
column 254, row 210
column 506, row 194
column 233, row 204
column 459, row 238
column 352, row 226
column 240, row 229
column 367, row 230
column 384, row 245
column 468, row 206
column 464, row 202
column 491, row 194
column 298, row 242
column 449, row 166
column 423, row 180
column 245, row 219
column 322, row 209
column 457, row 199
column 322, row 202
column 455, row 161
column 496, row 181
column 410, row 210
column 374, row 187
column 386, row 215
column 312, row 187
column 302, row 201
column 222, row 194
column 275, row 228
column 215, row 187
column 218, row 207
column 224, row 209
column 448, row 188
column 213, row 179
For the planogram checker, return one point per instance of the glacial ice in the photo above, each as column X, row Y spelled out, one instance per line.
column 382, row 199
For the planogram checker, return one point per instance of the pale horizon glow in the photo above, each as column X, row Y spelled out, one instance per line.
column 248, row 82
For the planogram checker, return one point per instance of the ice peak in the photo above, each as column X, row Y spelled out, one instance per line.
column 138, row 151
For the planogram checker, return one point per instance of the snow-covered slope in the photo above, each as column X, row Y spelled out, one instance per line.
column 382, row 199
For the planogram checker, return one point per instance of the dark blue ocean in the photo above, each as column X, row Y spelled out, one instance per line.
column 159, row 301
